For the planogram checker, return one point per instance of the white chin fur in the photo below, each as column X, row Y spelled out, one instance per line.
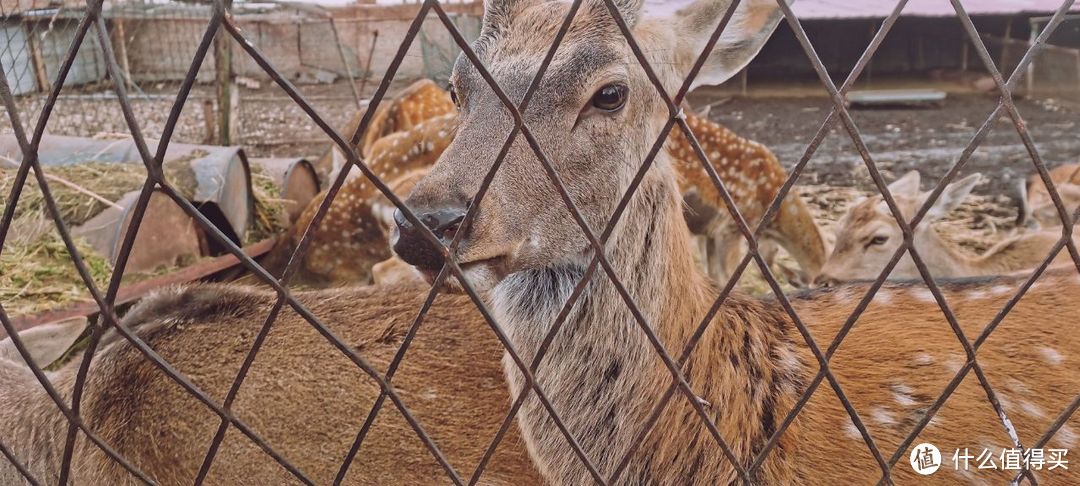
column 481, row 275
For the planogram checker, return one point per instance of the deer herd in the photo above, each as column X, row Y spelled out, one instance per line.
column 746, row 362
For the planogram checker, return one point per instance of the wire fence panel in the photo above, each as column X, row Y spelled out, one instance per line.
column 96, row 45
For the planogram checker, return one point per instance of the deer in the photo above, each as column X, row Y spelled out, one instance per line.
column 754, row 177
column 868, row 236
column 352, row 236
column 527, row 252
column 523, row 255
column 418, row 102
column 165, row 432
column 346, row 250
column 1036, row 204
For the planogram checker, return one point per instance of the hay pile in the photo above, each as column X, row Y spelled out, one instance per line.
column 74, row 188
column 271, row 217
column 36, row 271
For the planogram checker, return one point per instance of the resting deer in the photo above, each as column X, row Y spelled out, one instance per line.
column 1037, row 203
column 412, row 106
column 754, row 176
column 352, row 236
column 304, row 397
column 869, row 236
column 525, row 253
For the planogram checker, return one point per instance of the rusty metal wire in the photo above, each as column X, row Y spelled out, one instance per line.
column 222, row 24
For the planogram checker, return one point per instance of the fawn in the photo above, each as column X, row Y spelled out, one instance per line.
column 352, row 236
column 869, row 236
column 412, row 106
column 525, row 253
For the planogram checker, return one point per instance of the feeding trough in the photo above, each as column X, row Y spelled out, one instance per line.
column 216, row 180
column 167, row 237
column 293, row 180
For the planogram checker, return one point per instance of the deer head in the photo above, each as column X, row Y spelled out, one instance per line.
column 869, row 236
column 595, row 115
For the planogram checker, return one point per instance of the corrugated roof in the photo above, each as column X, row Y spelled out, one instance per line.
column 855, row 9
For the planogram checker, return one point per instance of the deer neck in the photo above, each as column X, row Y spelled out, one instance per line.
column 945, row 260
column 602, row 374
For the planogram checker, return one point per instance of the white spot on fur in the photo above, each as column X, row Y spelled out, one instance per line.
column 923, row 359
column 1032, row 409
column 903, row 395
column 923, row 295
column 977, row 295
column 1001, row 290
column 1050, row 355
column 953, row 364
column 882, row 416
column 852, row 432
column 883, row 297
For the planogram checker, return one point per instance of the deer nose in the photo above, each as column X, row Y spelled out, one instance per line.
column 411, row 245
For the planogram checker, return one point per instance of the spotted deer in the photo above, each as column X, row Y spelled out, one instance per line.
column 868, row 236
column 352, row 236
column 754, row 176
column 410, row 107
column 524, row 253
column 1037, row 204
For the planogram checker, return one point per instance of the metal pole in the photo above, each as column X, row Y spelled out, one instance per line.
column 225, row 83
column 1006, row 44
column 367, row 64
column 345, row 62
column 1030, row 81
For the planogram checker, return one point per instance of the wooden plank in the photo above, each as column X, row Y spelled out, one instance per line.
column 888, row 97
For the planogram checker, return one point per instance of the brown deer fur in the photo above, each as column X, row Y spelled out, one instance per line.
column 411, row 106
column 351, row 237
column 302, row 395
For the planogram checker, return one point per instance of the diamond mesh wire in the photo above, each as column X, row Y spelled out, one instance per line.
column 221, row 23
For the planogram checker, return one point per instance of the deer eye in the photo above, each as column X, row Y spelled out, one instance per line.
column 610, row 98
column 453, row 95
column 877, row 240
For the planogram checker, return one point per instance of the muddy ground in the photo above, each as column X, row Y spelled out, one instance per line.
column 901, row 139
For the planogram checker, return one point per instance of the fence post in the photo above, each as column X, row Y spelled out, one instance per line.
column 345, row 62
column 226, row 89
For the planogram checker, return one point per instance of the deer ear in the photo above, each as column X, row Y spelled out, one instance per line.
column 953, row 196
column 45, row 343
column 750, row 26
column 908, row 185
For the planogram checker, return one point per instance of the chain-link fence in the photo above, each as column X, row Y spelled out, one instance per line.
column 93, row 57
